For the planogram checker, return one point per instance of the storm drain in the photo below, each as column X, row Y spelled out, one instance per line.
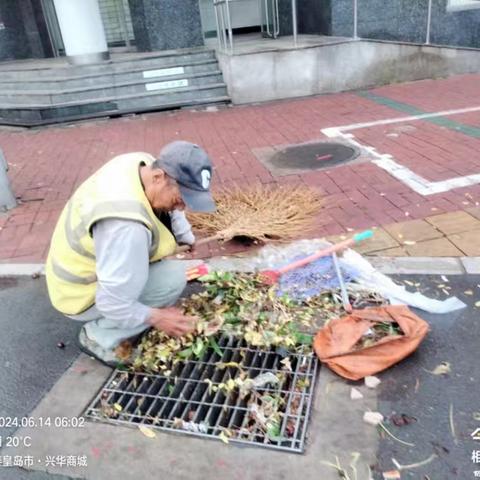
column 306, row 157
column 213, row 397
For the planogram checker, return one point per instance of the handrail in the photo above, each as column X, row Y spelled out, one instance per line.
column 223, row 22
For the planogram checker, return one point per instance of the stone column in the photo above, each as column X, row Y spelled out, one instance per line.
column 82, row 31
column 166, row 24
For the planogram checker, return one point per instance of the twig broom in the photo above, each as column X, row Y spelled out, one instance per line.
column 262, row 213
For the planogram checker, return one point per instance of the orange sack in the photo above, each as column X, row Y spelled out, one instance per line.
column 335, row 344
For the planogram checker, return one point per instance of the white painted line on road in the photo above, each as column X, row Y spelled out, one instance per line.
column 412, row 118
column 386, row 161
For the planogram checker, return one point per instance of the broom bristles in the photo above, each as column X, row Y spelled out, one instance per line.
column 264, row 213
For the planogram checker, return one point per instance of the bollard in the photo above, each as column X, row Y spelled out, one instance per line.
column 7, row 198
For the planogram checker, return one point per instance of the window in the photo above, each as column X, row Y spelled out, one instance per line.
column 457, row 5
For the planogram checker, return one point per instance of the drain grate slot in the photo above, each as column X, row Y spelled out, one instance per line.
column 184, row 401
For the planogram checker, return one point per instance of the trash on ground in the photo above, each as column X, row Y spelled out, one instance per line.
column 148, row 432
column 443, row 368
column 400, row 467
column 372, row 382
column 337, row 344
column 367, row 276
column 356, row 394
column 402, row 419
column 391, row 475
column 373, row 418
column 391, row 435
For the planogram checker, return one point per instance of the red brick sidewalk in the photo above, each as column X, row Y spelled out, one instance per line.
column 47, row 165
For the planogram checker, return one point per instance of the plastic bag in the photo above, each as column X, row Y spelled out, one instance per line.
column 337, row 343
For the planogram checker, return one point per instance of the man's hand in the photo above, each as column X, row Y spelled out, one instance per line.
column 172, row 321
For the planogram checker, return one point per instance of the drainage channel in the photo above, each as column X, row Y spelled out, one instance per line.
column 193, row 400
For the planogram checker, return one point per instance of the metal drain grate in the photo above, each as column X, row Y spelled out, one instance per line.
column 185, row 402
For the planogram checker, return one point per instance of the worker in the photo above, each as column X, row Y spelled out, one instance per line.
column 106, row 265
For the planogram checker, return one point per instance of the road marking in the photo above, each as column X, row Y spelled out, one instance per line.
column 386, row 161
column 441, row 120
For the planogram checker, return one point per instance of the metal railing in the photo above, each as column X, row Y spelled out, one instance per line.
column 271, row 24
column 223, row 21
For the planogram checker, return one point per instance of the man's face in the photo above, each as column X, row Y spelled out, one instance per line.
column 165, row 194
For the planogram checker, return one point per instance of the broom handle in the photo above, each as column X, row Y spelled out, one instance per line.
column 202, row 241
column 326, row 251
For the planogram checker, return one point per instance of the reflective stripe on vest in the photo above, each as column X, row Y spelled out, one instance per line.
column 60, row 272
column 74, row 235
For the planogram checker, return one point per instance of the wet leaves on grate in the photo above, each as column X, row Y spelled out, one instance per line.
column 246, row 395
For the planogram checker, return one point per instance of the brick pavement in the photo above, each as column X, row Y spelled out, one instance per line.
column 46, row 165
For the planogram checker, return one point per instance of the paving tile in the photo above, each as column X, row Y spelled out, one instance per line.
column 467, row 242
column 380, row 241
column 454, row 222
column 414, row 230
column 390, row 252
column 474, row 211
column 439, row 247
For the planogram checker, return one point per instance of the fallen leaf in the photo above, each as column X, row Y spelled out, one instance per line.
column 124, row 350
column 442, row 369
column 223, row 437
column 373, row 418
column 117, row 407
column 400, row 420
column 391, row 475
column 148, row 432
column 372, row 382
column 355, row 394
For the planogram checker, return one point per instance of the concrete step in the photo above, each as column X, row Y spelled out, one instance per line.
column 157, row 61
column 118, row 77
column 114, row 90
column 30, row 117
column 162, row 96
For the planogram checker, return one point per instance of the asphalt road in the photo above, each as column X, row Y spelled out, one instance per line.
column 410, row 389
column 30, row 359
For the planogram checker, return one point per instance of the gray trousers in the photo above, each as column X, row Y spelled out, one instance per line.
column 166, row 282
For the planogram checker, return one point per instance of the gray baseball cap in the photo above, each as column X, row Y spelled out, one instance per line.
column 191, row 167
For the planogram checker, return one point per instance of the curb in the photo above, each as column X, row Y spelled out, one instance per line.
column 386, row 265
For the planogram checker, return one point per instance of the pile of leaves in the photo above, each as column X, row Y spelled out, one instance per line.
column 238, row 305
column 378, row 331
column 243, row 306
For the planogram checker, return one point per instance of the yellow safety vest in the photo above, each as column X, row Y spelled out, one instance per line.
column 114, row 191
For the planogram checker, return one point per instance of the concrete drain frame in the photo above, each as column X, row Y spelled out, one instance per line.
column 185, row 402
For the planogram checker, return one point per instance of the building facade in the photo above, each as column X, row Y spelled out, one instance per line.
column 80, row 28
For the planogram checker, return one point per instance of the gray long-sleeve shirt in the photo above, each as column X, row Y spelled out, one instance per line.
column 122, row 265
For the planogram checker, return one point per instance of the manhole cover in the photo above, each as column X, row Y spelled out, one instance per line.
column 308, row 156
column 195, row 399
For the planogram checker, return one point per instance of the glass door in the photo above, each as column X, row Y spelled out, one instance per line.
column 117, row 23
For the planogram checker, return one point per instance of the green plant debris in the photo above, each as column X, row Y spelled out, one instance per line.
column 241, row 305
